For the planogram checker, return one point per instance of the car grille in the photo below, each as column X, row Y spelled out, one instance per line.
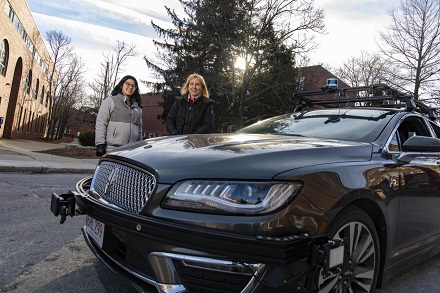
column 124, row 186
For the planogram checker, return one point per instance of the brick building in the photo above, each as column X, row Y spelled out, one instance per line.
column 25, row 101
column 80, row 121
column 312, row 78
column 151, row 125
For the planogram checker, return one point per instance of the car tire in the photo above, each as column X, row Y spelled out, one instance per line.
column 360, row 236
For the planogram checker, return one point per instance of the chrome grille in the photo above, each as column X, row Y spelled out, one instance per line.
column 124, row 186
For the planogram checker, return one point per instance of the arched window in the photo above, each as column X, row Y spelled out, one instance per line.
column 42, row 95
column 27, row 85
column 4, row 56
column 35, row 93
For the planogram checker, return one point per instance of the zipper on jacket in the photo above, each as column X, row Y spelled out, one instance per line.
column 131, row 122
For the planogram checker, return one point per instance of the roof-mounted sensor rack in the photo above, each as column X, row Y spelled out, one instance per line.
column 371, row 97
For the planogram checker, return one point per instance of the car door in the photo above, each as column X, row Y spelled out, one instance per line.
column 419, row 221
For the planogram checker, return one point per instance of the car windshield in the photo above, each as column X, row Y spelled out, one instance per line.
column 362, row 125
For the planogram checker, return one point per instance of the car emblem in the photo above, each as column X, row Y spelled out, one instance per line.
column 110, row 180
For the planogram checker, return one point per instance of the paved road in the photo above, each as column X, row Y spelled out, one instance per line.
column 38, row 255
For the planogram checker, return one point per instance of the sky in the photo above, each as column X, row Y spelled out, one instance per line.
column 95, row 26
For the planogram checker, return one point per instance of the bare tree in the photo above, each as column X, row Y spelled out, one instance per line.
column 268, row 24
column 60, row 50
column 369, row 68
column 111, row 67
column 412, row 43
column 66, row 82
column 70, row 93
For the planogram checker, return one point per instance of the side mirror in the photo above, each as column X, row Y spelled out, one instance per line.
column 421, row 144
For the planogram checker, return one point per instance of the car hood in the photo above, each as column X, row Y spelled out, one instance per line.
column 236, row 156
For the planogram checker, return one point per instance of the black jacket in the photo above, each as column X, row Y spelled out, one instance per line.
column 186, row 119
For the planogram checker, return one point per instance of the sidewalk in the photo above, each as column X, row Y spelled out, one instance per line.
column 18, row 155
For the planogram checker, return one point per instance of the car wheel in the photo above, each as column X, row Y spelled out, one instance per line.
column 359, row 274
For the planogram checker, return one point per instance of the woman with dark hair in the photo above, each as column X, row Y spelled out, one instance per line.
column 192, row 111
column 119, row 119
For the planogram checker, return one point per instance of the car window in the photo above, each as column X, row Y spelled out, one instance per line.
column 394, row 145
column 411, row 126
column 436, row 129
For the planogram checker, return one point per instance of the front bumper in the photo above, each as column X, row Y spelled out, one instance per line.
column 173, row 257
column 171, row 272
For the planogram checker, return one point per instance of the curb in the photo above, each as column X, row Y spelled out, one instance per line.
column 46, row 170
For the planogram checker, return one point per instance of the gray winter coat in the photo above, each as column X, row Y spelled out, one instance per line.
column 117, row 123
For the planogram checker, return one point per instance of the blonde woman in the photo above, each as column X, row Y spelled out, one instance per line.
column 192, row 112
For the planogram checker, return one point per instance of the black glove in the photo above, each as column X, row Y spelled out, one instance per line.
column 101, row 150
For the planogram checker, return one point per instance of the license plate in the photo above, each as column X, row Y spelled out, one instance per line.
column 95, row 229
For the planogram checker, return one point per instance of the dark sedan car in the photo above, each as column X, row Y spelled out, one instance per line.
column 335, row 199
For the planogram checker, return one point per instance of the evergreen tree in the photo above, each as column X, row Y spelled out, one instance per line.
column 214, row 34
column 271, row 89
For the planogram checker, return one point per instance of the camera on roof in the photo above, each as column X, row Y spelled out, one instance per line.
column 332, row 85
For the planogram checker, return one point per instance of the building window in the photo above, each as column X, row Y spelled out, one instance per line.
column 4, row 56
column 301, row 83
column 35, row 93
column 28, row 83
column 8, row 10
column 42, row 95
column 27, row 40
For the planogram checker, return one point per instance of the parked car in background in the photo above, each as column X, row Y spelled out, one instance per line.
column 338, row 196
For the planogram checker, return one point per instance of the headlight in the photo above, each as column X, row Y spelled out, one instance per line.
column 232, row 197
